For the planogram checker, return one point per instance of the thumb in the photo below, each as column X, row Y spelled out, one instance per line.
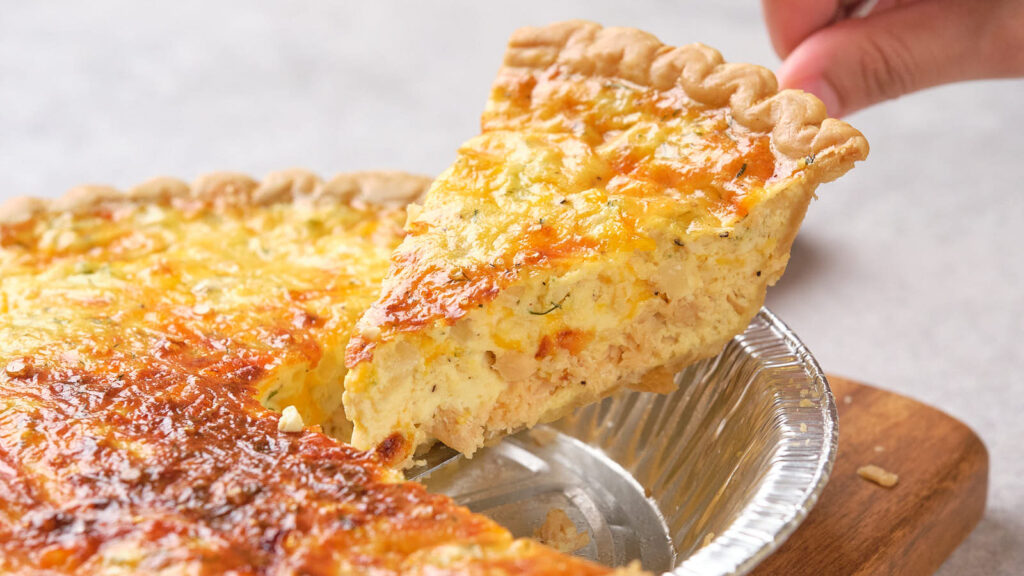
column 856, row 63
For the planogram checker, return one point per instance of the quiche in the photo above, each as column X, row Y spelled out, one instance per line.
column 148, row 340
column 620, row 215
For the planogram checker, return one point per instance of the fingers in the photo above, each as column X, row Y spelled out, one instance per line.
column 790, row 21
column 856, row 63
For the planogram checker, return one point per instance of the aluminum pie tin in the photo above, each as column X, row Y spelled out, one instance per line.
column 708, row 480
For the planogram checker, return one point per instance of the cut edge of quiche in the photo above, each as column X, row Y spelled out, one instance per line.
column 619, row 217
column 312, row 385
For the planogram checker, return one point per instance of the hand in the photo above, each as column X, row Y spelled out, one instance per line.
column 901, row 46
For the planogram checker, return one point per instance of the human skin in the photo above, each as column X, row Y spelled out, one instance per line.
column 899, row 47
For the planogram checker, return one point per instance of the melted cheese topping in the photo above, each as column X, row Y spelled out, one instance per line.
column 287, row 281
column 136, row 344
column 567, row 168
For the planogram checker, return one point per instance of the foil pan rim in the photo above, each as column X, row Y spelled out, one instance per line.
column 707, row 480
column 762, row 528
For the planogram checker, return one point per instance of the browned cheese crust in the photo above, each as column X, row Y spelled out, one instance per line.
column 139, row 333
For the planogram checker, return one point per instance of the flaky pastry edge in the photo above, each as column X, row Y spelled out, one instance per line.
column 380, row 188
column 797, row 121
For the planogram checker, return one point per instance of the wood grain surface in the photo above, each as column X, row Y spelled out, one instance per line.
column 861, row 528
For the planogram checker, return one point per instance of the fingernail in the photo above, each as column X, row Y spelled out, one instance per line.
column 825, row 92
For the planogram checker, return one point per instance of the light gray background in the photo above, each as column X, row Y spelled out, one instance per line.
column 908, row 273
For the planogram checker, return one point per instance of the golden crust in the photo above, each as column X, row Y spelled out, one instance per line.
column 388, row 188
column 798, row 121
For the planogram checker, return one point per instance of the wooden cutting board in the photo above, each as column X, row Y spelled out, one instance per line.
column 861, row 528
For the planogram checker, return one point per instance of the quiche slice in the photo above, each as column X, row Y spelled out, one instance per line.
column 144, row 337
column 620, row 216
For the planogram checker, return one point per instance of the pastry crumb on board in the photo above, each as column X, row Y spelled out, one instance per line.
column 878, row 475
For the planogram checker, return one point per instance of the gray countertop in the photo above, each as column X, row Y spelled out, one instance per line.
column 908, row 274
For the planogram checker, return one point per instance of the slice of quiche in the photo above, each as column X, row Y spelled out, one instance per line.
column 620, row 215
column 142, row 338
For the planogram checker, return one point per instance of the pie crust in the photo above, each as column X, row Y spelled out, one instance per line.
column 798, row 122
column 384, row 188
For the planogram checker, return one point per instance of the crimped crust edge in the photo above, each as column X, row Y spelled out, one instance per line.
column 798, row 122
column 383, row 188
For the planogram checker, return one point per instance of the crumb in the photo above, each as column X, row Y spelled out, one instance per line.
column 879, row 448
column 291, row 420
column 805, row 403
column 542, row 435
column 878, row 475
column 803, row 427
column 804, row 393
column 708, row 539
column 847, row 399
column 16, row 367
column 559, row 532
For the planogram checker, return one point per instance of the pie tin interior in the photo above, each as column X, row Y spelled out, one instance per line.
column 706, row 481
